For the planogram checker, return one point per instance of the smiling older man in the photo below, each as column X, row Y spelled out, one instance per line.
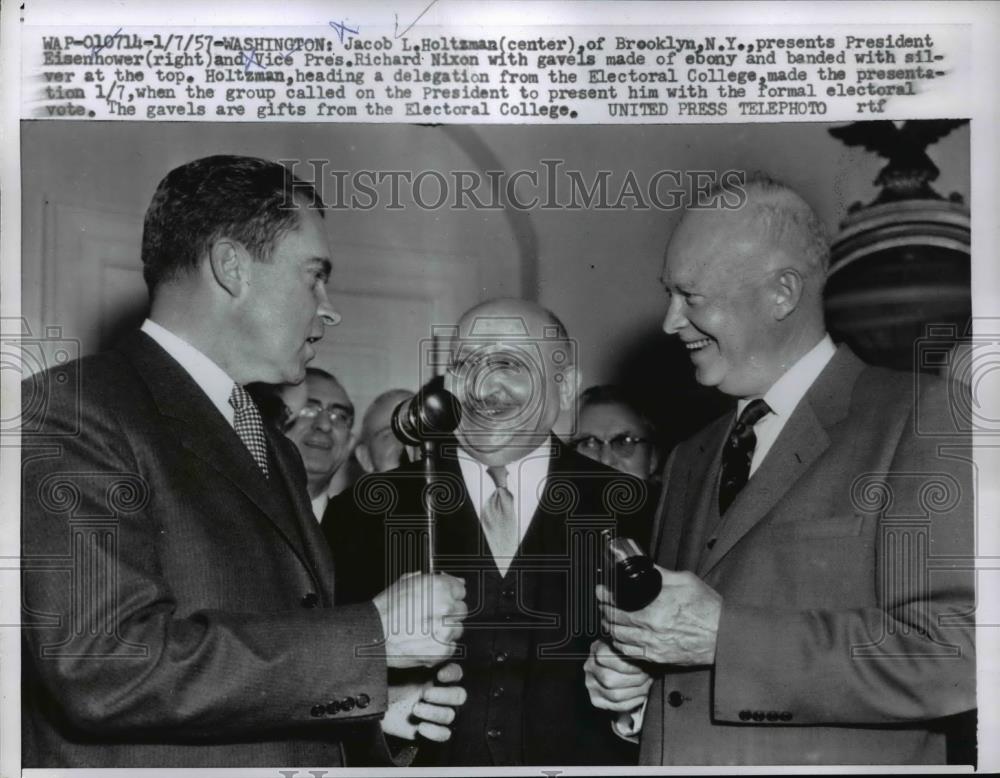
column 519, row 518
column 322, row 418
column 815, row 546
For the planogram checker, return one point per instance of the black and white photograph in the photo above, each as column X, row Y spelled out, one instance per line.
column 515, row 446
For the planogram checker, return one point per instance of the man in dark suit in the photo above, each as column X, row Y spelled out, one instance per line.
column 816, row 545
column 177, row 593
column 518, row 518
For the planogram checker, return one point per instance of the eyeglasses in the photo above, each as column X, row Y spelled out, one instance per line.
column 339, row 417
column 487, row 364
column 622, row 445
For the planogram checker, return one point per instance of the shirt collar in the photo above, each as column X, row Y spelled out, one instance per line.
column 533, row 466
column 319, row 504
column 785, row 394
column 213, row 380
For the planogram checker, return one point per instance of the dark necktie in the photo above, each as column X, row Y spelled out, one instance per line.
column 249, row 426
column 738, row 453
column 499, row 520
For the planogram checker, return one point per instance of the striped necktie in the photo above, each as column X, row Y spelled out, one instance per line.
column 738, row 454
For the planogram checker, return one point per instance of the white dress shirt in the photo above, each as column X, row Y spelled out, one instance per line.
column 319, row 504
column 213, row 380
column 784, row 396
column 525, row 481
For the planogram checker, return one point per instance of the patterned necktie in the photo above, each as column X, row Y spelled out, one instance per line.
column 249, row 426
column 499, row 520
column 738, row 454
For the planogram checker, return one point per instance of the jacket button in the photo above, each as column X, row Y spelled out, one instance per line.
column 497, row 692
column 493, row 733
column 363, row 700
column 501, row 657
column 332, row 708
column 758, row 715
column 347, row 703
column 508, row 593
column 785, row 715
column 711, row 543
column 745, row 715
column 310, row 600
column 317, row 711
column 772, row 715
column 675, row 698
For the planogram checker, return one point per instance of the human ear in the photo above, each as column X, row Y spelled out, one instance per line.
column 569, row 387
column 228, row 261
column 364, row 457
column 787, row 291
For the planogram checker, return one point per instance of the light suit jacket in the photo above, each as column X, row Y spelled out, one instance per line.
column 845, row 571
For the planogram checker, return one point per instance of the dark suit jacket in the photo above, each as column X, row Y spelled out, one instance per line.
column 844, row 567
column 554, row 574
column 177, row 612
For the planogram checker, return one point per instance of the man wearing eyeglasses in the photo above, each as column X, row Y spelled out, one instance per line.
column 613, row 431
column 320, row 425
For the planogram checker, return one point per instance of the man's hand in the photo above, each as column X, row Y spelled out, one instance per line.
column 424, row 707
column 679, row 627
column 421, row 618
column 613, row 682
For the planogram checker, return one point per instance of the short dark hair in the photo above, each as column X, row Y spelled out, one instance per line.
column 615, row 394
column 247, row 199
column 318, row 372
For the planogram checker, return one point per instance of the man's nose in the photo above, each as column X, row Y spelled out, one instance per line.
column 607, row 456
column 322, row 421
column 325, row 311
column 674, row 320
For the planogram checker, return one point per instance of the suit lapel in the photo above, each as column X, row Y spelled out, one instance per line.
column 706, row 505
column 802, row 440
column 203, row 431
column 458, row 532
column 688, row 508
column 315, row 551
column 545, row 532
column 547, row 543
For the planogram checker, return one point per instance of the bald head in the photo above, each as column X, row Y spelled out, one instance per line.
column 746, row 288
column 513, row 370
column 378, row 449
column 783, row 219
column 511, row 318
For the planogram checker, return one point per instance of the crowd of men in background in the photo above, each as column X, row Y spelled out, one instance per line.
column 318, row 416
